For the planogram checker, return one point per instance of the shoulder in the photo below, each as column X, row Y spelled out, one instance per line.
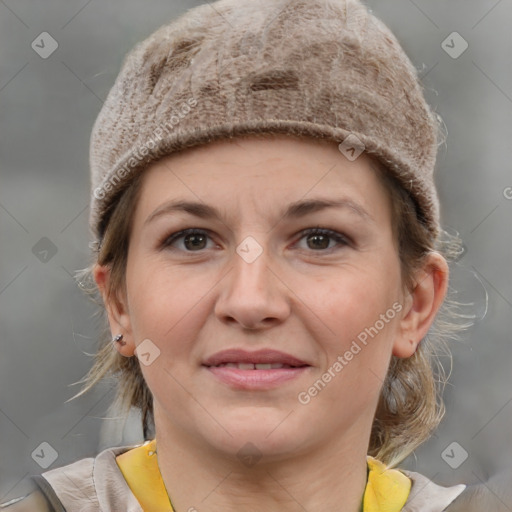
column 39, row 497
column 34, row 502
column 426, row 496
column 81, row 485
column 89, row 483
column 495, row 494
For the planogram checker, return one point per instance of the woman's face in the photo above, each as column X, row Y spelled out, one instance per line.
column 291, row 263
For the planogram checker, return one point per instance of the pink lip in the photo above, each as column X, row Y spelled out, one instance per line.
column 254, row 379
column 259, row 356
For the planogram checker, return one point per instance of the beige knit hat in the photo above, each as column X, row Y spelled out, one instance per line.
column 318, row 68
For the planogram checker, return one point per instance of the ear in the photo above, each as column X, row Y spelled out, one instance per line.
column 421, row 305
column 117, row 311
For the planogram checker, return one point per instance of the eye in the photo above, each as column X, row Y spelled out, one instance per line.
column 193, row 240
column 320, row 239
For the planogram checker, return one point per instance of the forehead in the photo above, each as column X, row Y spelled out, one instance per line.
column 262, row 173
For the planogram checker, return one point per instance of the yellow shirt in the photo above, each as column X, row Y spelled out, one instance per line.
column 386, row 490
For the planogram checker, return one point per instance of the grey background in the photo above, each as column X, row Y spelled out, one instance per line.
column 47, row 108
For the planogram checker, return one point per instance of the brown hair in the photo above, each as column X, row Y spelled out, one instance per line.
column 410, row 405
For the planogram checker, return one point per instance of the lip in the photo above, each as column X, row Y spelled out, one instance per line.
column 264, row 356
column 253, row 379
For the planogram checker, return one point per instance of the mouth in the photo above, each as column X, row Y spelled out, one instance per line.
column 256, row 360
column 260, row 370
column 254, row 366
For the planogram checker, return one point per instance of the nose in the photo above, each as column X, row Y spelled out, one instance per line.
column 252, row 294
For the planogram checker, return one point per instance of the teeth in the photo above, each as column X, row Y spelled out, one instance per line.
column 263, row 366
column 257, row 366
column 270, row 366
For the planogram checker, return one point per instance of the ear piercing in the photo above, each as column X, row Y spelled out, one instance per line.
column 119, row 339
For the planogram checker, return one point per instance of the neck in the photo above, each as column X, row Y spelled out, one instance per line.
column 197, row 477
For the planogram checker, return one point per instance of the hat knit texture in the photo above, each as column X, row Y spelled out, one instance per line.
column 327, row 69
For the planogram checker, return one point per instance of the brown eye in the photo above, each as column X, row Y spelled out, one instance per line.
column 194, row 241
column 319, row 239
column 188, row 240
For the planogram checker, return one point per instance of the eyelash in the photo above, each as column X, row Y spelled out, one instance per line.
column 338, row 237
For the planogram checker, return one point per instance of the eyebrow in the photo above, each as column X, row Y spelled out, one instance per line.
column 294, row 210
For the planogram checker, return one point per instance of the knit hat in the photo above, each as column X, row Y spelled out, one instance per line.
column 320, row 68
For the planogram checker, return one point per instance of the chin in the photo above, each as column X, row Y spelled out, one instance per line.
column 274, row 435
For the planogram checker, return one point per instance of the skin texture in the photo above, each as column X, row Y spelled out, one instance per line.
column 295, row 297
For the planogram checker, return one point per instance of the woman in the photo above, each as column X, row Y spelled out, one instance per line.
column 269, row 257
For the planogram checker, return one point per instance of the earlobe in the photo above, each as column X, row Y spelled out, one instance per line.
column 424, row 301
column 405, row 348
column 118, row 317
column 123, row 347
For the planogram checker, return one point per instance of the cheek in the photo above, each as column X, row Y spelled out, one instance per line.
column 169, row 308
column 167, row 304
column 358, row 309
column 355, row 301
column 356, row 348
